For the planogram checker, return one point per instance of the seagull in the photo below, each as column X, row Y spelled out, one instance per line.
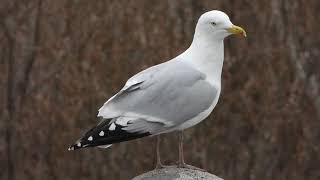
column 171, row 96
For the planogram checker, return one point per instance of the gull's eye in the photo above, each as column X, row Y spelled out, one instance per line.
column 213, row 23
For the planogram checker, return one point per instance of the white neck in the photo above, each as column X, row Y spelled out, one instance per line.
column 206, row 54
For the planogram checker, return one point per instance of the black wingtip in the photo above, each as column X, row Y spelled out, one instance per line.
column 75, row 146
column 105, row 134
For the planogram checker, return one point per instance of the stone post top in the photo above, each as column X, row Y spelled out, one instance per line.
column 173, row 173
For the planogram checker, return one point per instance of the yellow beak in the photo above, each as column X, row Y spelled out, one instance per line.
column 237, row 30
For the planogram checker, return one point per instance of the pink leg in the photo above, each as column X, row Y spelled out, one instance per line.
column 181, row 162
column 158, row 163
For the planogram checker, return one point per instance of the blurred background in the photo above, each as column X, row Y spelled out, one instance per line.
column 61, row 60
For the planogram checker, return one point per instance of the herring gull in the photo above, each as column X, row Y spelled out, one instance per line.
column 167, row 97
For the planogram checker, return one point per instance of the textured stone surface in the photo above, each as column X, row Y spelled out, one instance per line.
column 176, row 174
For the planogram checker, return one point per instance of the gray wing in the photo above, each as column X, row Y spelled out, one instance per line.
column 161, row 97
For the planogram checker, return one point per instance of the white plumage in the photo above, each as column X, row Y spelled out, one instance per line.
column 171, row 96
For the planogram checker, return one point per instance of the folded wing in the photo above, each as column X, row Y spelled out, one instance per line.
column 153, row 101
column 170, row 93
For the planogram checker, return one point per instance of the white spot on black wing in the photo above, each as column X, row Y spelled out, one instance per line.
column 112, row 127
column 101, row 133
column 90, row 138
